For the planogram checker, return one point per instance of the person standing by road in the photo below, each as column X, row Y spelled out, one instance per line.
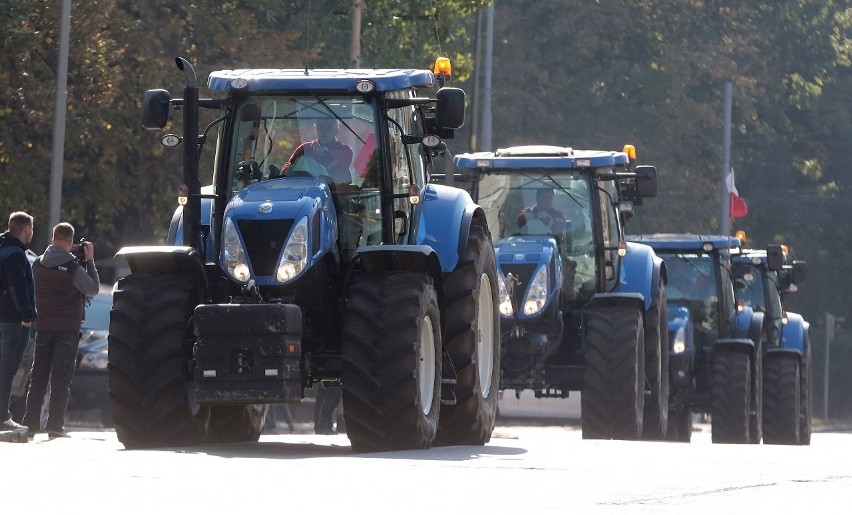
column 17, row 307
column 62, row 284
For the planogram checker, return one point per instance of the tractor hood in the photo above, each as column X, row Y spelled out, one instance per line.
column 275, row 230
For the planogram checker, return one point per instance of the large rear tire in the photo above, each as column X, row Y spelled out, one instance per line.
column 781, row 399
column 472, row 343
column 612, row 402
column 149, row 335
column 656, row 419
column 730, row 392
column 391, row 353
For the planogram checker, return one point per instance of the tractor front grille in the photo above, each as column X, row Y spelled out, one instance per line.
column 524, row 274
column 263, row 240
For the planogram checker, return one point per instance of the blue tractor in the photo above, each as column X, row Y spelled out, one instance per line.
column 319, row 254
column 716, row 345
column 762, row 279
column 580, row 309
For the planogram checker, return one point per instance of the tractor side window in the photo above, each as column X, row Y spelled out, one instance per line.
column 401, row 171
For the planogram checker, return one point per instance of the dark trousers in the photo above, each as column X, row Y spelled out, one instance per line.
column 328, row 398
column 55, row 361
column 13, row 342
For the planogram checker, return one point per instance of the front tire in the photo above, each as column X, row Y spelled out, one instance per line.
column 391, row 353
column 612, row 402
column 730, row 393
column 781, row 399
column 656, row 418
column 149, row 335
column 806, row 403
column 472, row 343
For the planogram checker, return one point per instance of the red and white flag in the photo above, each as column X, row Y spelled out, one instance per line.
column 738, row 207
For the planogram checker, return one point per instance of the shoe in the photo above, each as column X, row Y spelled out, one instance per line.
column 11, row 425
column 57, row 433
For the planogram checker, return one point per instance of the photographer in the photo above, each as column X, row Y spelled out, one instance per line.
column 63, row 280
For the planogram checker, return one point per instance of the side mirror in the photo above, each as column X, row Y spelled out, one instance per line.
column 774, row 257
column 646, row 180
column 155, row 109
column 800, row 271
column 449, row 112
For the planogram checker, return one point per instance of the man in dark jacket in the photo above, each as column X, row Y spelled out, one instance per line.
column 17, row 307
column 62, row 284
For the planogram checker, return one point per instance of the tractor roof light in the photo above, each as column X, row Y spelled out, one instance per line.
column 443, row 68
column 707, row 247
column 630, row 150
column 741, row 234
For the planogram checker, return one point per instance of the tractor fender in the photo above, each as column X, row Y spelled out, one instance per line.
column 164, row 259
column 640, row 272
column 618, row 299
column 794, row 334
column 745, row 345
column 403, row 258
column 175, row 236
column 445, row 223
column 749, row 324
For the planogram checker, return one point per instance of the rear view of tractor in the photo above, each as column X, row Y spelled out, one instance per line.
column 716, row 352
column 762, row 279
column 580, row 309
column 319, row 254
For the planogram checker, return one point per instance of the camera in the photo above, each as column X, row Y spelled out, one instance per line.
column 79, row 251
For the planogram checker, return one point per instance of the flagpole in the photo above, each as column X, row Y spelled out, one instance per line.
column 725, row 219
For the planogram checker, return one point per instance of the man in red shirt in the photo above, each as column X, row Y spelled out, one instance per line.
column 326, row 151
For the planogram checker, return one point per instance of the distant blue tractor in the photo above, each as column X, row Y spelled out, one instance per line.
column 319, row 254
column 716, row 352
column 762, row 278
column 580, row 309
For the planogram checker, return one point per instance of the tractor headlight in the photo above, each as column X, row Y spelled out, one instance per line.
column 679, row 342
column 537, row 294
column 505, row 299
column 295, row 256
column 233, row 253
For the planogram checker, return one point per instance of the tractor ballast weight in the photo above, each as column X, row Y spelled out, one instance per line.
column 310, row 259
column 580, row 309
column 716, row 351
column 763, row 278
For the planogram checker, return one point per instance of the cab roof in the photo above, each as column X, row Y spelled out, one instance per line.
column 343, row 80
column 685, row 241
column 541, row 156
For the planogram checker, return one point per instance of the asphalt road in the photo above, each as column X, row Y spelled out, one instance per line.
column 524, row 469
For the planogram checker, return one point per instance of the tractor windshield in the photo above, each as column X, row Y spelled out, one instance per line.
column 692, row 283
column 758, row 289
column 539, row 202
column 329, row 137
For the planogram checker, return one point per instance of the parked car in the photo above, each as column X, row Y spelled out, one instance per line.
column 90, row 387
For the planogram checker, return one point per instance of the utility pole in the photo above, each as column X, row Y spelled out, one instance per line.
column 725, row 218
column 831, row 324
column 58, row 150
column 477, row 90
column 355, row 43
column 485, row 130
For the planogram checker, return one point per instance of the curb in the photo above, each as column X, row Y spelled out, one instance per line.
column 19, row 436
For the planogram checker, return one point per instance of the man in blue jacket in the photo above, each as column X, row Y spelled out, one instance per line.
column 17, row 307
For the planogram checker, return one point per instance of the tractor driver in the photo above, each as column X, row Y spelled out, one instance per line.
column 327, row 151
column 544, row 211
